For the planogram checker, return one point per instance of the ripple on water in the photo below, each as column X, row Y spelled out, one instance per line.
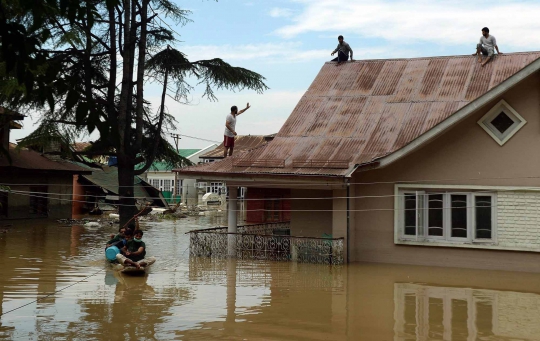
column 205, row 299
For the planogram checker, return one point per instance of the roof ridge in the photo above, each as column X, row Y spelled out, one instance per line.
column 357, row 61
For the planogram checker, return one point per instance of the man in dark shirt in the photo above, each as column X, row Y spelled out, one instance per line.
column 117, row 238
column 343, row 49
column 134, row 251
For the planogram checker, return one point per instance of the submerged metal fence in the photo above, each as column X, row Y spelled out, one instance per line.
column 265, row 242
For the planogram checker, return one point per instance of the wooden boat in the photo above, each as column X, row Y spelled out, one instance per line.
column 131, row 270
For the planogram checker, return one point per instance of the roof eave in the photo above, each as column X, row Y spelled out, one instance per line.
column 251, row 177
column 461, row 114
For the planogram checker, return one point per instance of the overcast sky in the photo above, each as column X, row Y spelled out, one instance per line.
column 287, row 41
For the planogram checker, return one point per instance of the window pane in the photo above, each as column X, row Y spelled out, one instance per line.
column 435, row 215
column 483, row 217
column 410, row 214
column 459, row 216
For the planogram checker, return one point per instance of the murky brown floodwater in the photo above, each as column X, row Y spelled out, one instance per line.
column 202, row 299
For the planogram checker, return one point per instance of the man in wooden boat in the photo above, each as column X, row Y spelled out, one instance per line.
column 133, row 253
column 115, row 239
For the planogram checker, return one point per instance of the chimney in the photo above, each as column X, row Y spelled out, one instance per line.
column 7, row 122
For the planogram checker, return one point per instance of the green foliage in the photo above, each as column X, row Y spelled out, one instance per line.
column 83, row 65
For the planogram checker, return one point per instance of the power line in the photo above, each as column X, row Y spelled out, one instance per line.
column 198, row 138
column 53, row 293
column 283, row 210
column 292, row 198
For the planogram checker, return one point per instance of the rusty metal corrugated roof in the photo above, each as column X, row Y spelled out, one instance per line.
column 366, row 109
column 32, row 160
column 241, row 143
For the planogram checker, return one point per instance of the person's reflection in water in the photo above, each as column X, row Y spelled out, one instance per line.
column 134, row 311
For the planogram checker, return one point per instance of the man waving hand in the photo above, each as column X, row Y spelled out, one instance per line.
column 230, row 129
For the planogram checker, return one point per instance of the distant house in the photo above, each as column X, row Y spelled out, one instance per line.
column 429, row 161
column 242, row 144
column 100, row 189
column 161, row 176
column 38, row 186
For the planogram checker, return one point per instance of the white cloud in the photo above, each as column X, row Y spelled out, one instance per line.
column 269, row 52
column 404, row 21
column 278, row 12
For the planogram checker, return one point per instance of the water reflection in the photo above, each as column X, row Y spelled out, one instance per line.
column 186, row 298
column 424, row 312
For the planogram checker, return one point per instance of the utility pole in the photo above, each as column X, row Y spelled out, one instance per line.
column 176, row 138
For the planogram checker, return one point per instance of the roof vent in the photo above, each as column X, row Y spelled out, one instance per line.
column 502, row 122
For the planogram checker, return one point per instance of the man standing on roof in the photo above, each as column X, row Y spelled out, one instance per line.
column 230, row 131
column 343, row 50
column 485, row 46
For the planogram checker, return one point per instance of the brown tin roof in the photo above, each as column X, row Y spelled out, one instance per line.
column 364, row 110
column 30, row 160
column 241, row 143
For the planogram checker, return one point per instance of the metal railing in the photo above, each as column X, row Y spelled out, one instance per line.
column 265, row 242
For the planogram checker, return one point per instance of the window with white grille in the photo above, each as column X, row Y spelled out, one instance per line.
column 167, row 185
column 447, row 216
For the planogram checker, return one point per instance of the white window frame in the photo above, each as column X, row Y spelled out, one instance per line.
column 419, row 217
column 167, row 185
column 469, row 209
column 502, row 106
column 423, row 212
column 493, row 218
column 179, row 186
column 425, row 198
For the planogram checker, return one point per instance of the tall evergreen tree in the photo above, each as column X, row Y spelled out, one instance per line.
column 83, row 65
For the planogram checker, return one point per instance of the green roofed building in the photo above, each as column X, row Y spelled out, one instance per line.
column 161, row 176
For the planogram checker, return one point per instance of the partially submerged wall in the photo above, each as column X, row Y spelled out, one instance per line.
column 463, row 156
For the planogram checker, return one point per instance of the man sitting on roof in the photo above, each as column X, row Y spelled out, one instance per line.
column 343, row 50
column 485, row 47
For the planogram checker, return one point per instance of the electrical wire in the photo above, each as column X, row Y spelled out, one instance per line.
column 301, row 198
column 53, row 293
column 274, row 210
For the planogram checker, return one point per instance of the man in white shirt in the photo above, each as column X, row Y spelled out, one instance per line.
column 230, row 129
column 486, row 47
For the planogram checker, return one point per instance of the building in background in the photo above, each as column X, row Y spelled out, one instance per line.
column 242, row 144
column 38, row 186
column 175, row 190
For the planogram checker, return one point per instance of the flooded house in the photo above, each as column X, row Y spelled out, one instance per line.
column 428, row 161
column 242, row 143
column 37, row 186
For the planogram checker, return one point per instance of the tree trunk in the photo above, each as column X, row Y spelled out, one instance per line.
column 127, row 207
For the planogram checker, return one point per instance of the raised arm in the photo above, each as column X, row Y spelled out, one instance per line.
column 241, row 111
